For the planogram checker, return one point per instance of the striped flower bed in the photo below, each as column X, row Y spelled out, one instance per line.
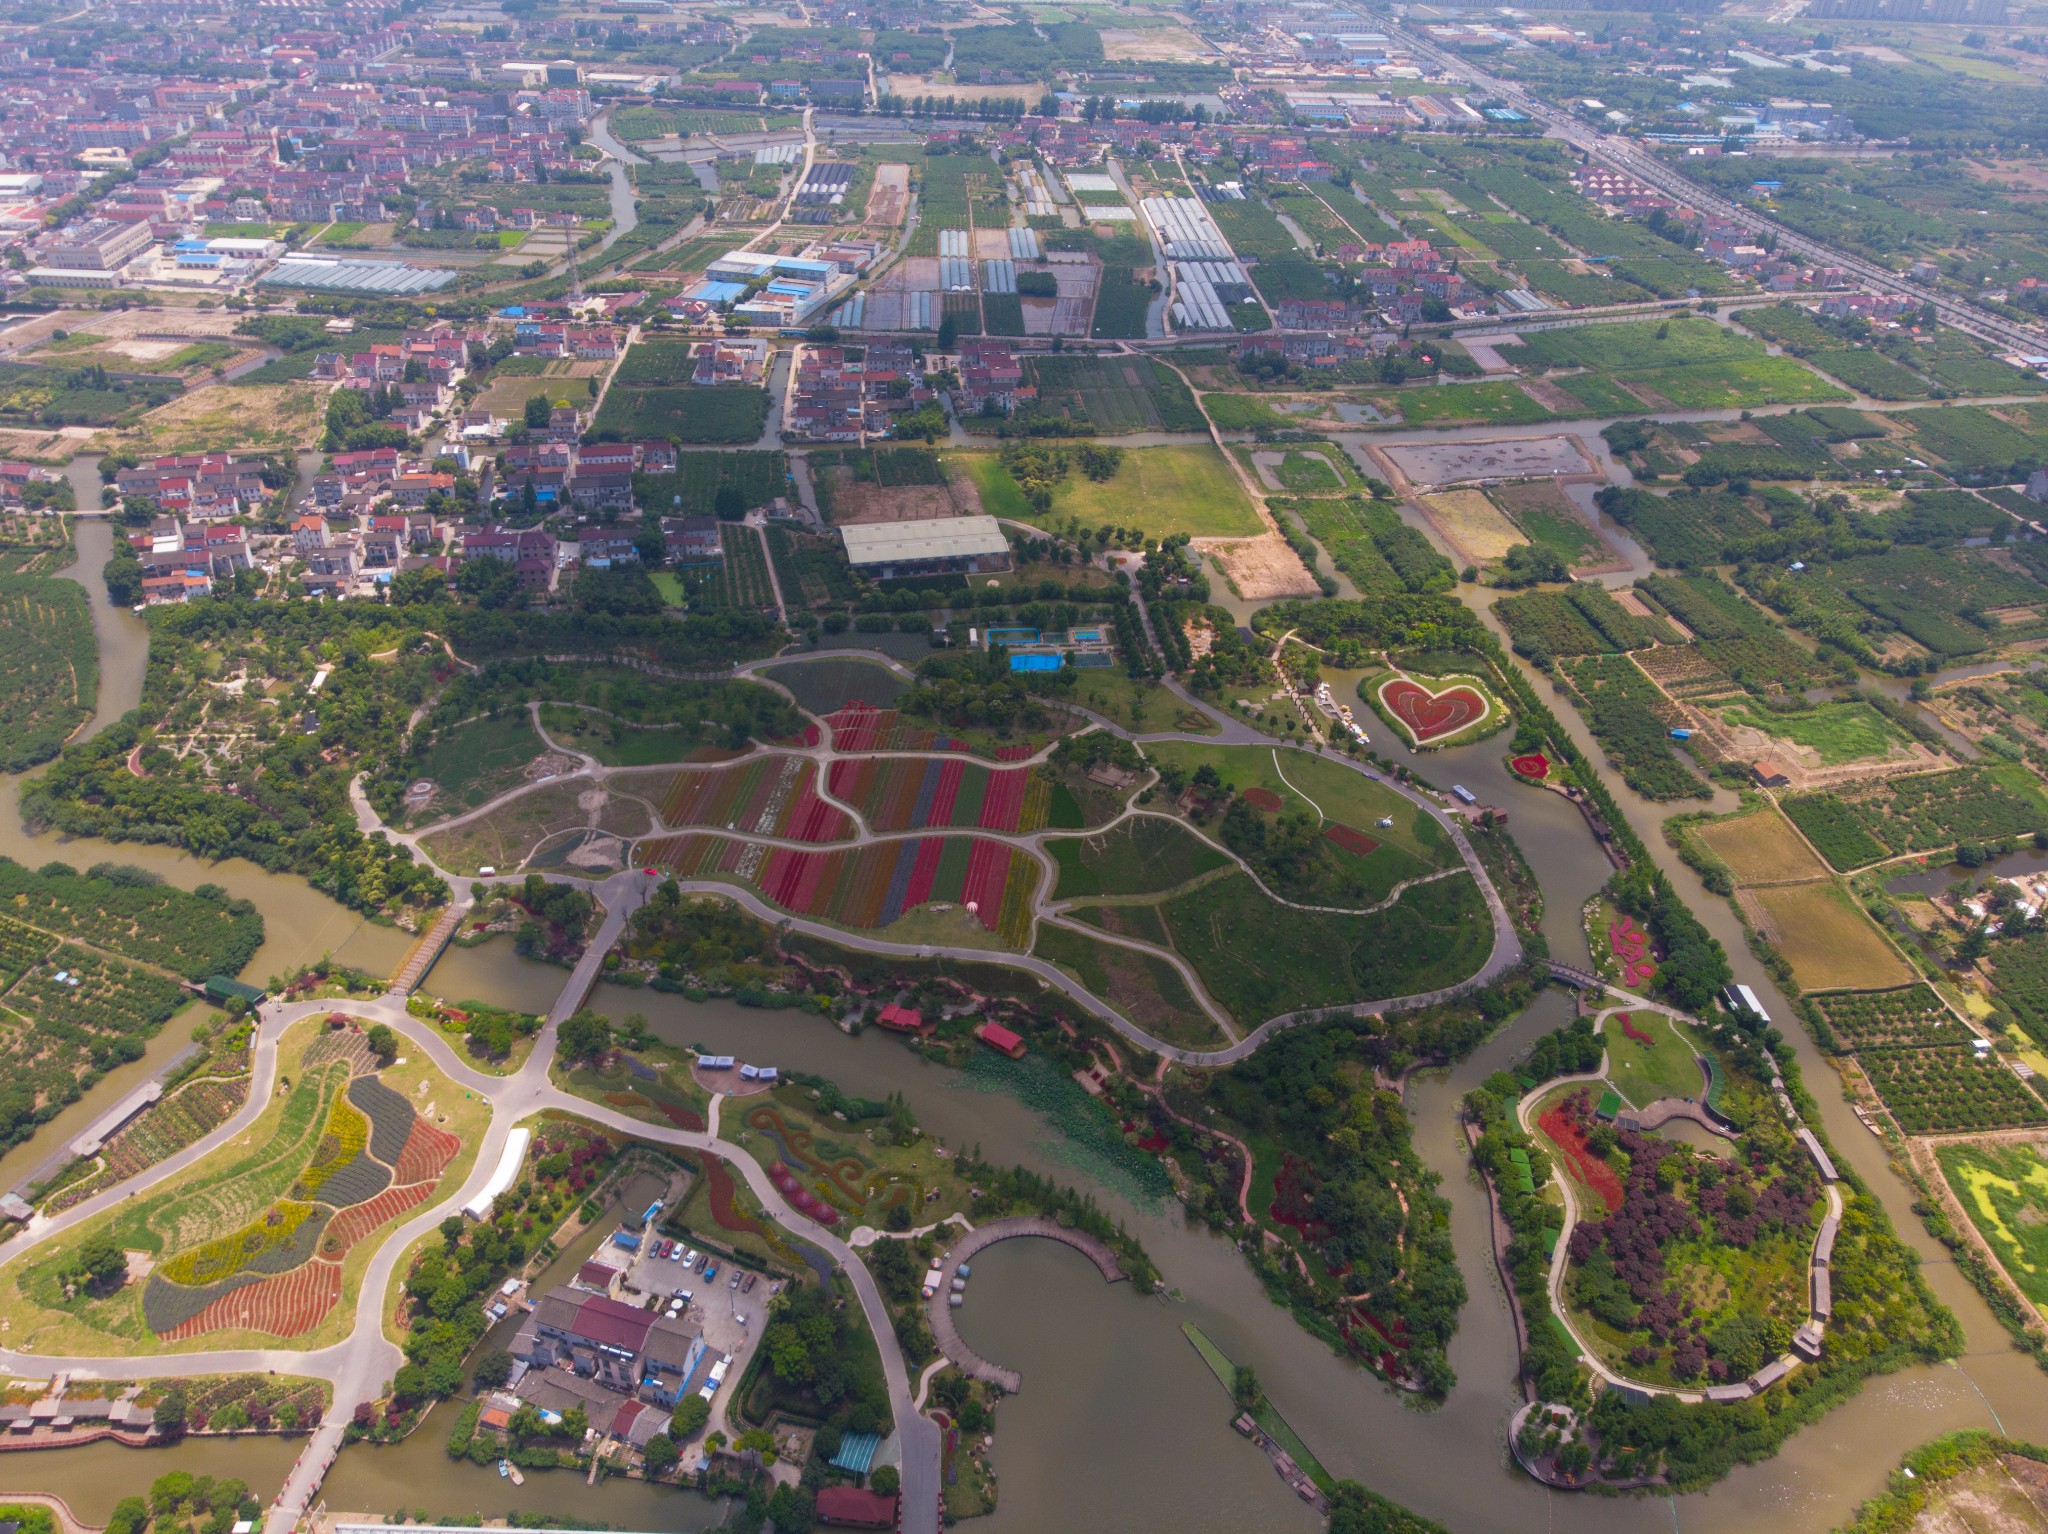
column 868, row 886
column 908, row 794
column 863, row 727
column 772, row 795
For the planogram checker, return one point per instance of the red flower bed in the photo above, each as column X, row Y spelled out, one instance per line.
column 1631, row 945
column 426, row 1152
column 1350, row 840
column 1262, row 799
column 1564, row 1132
column 284, row 1306
column 1534, row 765
column 719, row 1190
column 1294, row 1191
column 351, row 1225
column 1631, row 1031
column 1429, row 715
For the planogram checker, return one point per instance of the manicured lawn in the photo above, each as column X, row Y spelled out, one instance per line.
column 1664, row 1067
column 1000, row 495
column 1143, row 707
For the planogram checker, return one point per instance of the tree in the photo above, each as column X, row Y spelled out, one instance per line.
column 584, row 1036
column 99, row 1262
column 130, row 1516
column 662, row 1455
column 383, row 1043
column 1244, row 1389
column 886, row 1480
column 493, row 1368
column 538, row 410
column 949, row 331
column 691, row 1413
column 793, row 1510
column 729, row 504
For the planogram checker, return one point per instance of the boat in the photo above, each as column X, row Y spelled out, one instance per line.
column 513, row 1471
column 504, row 1467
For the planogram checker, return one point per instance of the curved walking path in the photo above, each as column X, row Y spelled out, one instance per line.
column 1737, row 1389
column 939, row 1307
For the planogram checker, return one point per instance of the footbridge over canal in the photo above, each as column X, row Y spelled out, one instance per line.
column 940, row 1305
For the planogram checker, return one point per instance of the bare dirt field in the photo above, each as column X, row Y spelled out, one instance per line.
column 1169, row 44
column 1481, row 350
column 1472, row 524
column 226, row 417
column 1261, row 568
column 1428, row 464
column 853, row 502
column 889, row 197
column 39, row 446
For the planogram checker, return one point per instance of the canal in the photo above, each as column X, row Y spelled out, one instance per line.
column 1118, row 1424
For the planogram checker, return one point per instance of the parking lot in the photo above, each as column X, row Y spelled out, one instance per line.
column 729, row 1314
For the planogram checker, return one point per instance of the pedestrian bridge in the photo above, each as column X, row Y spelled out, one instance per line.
column 1571, row 974
column 940, row 1306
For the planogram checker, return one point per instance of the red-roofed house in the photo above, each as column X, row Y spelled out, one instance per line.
column 1000, row 1039
column 848, row 1507
column 901, row 1019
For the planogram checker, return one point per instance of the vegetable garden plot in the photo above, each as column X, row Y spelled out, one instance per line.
column 898, row 794
column 1909, row 1017
column 1942, row 1089
column 770, row 795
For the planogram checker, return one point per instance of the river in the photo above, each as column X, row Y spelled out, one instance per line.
column 1119, row 1424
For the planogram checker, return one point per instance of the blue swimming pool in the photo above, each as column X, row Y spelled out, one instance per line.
column 1034, row 663
column 1087, row 636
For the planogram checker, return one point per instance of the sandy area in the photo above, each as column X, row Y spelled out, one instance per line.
column 1166, row 44
column 1261, row 568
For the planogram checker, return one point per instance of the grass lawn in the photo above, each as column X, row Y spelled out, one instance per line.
column 474, row 761
column 1163, row 490
column 1760, row 848
column 1259, row 960
column 1664, row 1067
column 620, row 746
column 1144, row 707
column 1144, row 987
column 1245, row 412
column 670, row 585
column 1740, row 382
column 1840, row 732
column 211, row 420
column 1304, row 780
column 1827, row 939
column 1158, row 490
column 1144, row 855
column 2004, row 1190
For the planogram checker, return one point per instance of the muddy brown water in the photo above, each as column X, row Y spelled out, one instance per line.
column 1118, row 1424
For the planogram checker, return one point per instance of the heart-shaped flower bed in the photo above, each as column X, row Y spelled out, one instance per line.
column 1430, row 715
column 1534, row 765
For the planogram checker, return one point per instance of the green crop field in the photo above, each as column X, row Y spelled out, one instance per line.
column 1864, row 822
column 1121, row 304
column 49, row 667
column 1158, row 490
column 1114, row 394
column 726, row 413
column 1495, row 403
column 2004, row 1191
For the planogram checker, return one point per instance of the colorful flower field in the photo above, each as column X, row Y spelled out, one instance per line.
column 1534, row 765
column 1564, row 1131
column 863, row 727
column 1430, row 716
column 282, row 1274
column 909, row 794
column 768, row 795
column 868, row 886
column 1630, row 946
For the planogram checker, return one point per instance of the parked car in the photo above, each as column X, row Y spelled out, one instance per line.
column 710, row 1271
column 736, row 1277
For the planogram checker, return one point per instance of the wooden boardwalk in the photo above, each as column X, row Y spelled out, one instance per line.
column 428, row 949
column 940, row 1305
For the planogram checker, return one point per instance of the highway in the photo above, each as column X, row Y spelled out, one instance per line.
column 1627, row 155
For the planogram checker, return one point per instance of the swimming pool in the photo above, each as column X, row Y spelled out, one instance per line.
column 1087, row 636
column 1013, row 636
column 1034, row 663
